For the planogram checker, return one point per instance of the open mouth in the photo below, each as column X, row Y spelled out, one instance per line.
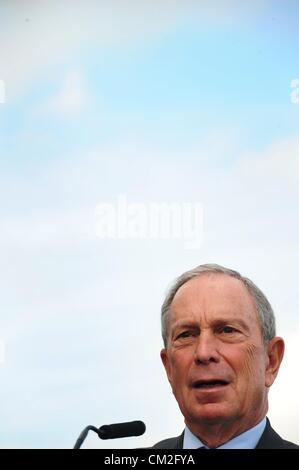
column 209, row 383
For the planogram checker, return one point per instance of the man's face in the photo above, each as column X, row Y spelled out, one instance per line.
column 216, row 361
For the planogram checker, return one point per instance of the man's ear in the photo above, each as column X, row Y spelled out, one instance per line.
column 275, row 351
column 166, row 363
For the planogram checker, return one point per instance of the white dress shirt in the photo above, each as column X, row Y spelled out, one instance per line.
column 246, row 440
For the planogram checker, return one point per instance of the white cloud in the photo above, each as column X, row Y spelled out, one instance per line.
column 37, row 35
column 72, row 97
column 278, row 163
column 53, row 228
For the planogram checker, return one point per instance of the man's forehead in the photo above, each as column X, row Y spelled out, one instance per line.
column 212, row 290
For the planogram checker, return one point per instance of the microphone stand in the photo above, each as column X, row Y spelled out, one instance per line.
column 113, row 431
column 83, row 435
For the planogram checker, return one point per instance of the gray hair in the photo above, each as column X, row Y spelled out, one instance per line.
column 264, row 309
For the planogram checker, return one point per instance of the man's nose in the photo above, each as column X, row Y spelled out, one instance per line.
column 206, row 349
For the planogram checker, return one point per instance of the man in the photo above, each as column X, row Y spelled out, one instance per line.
column 221, row 355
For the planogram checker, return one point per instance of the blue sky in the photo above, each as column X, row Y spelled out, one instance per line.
column 159, row 101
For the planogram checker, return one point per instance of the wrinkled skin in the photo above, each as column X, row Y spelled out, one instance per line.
column 214, row 333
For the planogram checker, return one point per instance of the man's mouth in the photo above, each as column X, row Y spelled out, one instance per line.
column 213, row 383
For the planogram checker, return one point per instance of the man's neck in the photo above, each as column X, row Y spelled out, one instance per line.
column 217, row 434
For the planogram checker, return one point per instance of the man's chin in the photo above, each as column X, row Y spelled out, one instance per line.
column 211, row 414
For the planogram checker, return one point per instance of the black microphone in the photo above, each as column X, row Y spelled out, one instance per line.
column 113, row 431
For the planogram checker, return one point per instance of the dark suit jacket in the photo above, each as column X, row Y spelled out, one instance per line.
column 269, row 440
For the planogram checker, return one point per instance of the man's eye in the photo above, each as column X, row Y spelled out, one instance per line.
column 227, row 329
column 184, row 334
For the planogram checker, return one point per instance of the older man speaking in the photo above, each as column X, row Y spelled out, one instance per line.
column 221, row 355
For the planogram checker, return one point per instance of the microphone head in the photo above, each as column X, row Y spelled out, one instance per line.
column 117, row 430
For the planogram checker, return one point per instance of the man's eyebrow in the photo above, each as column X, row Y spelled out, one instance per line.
column 185, row 324
column 215, row 323
column 233, row 321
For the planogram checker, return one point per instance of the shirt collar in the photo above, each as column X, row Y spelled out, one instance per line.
column 246, row 440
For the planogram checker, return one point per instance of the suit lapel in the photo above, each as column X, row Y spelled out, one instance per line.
column 178, row 443
column 270, row 439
